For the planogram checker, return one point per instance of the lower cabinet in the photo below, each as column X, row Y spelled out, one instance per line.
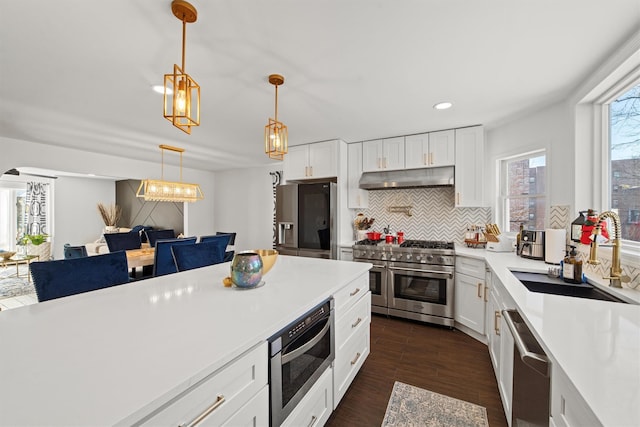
column 346, row 253
column 316, row 407
column 568, row 409
column 469, row 295
column 222, row 396
column 352, row 344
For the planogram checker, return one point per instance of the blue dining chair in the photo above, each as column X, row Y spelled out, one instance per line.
column 122, row 241
column 228, row 255
column 163, row 258
column 188, row 257
column 154, row 235
column 74, row 251
column 65, row 277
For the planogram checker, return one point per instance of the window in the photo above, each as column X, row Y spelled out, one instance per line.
column 624, row 160
column 523, row 192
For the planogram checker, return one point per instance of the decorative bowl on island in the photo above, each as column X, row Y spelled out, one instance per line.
column 268, row 256
column 5, row 255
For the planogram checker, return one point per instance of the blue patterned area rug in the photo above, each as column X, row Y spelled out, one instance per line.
column 411, row 406
column 12, row 286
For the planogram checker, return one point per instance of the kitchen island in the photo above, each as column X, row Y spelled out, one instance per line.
column 594, row 346
column 109, row 356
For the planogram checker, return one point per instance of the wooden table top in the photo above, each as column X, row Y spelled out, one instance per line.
column 140, row 257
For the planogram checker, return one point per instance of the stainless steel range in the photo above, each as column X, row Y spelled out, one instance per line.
column 413, row 280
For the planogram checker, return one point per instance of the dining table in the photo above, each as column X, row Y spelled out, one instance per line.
column 140, row 257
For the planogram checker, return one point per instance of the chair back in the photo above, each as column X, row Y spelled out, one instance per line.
column 74, row 251
column 232, row 240
column 219, row 236
column 188, row 257
column 61, row 278
column 154, row 235
column 122, row 241
column 163, row 258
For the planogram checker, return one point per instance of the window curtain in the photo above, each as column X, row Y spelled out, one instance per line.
column 37, row 205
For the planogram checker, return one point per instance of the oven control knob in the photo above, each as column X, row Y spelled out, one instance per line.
column 383, row 257
column 409, row 256
column 430, row 257
column 418, row 257
column 399, row 256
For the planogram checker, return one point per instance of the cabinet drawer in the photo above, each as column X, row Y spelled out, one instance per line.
column 351, row 322
column 316, row 407
column 348, row 362
column 351, row 293
column 225, row 390
column 568, row 409
column 253, row 413
column 470, row 266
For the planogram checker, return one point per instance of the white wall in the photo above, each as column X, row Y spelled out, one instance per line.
column 76, row 217
column 550, row 129
column 198, row 216
column 244, row 204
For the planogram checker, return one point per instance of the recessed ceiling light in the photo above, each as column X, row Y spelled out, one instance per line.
column 442, row 105
column 160, row 89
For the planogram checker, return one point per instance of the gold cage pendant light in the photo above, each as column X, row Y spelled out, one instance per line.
column 181, row 92
column 159, row 190
column 276, row 135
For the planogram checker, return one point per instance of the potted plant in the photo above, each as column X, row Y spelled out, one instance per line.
column 37, row 244
column 110, row 216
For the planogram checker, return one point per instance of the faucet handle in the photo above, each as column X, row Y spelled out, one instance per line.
column 623, row 278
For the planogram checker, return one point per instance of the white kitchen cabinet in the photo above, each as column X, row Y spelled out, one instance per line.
column 316, row 406
column 346, row 253
column 221, row 395
column 568, row 408
column 505, row 378
column 430, row 149
column 253, row 413
column 469, row 295
column 469, row 173
column 493, row 326
column 352, row 337
column 383, row 154
column 357, row 198
column 311, row 161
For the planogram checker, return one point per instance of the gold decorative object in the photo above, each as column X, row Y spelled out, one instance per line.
column 276, row 135
column 181, row 92
column 159, row 190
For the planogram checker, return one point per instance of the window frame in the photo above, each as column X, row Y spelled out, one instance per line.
column 601, row 121
column 503, row 196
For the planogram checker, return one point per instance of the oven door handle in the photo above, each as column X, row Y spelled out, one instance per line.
column 413, row 270
column 377, row 266
column 286, row 358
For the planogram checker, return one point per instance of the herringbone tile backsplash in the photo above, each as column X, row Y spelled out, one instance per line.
column 434, row 216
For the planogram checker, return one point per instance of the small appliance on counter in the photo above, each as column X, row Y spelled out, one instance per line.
column 505, row 244
column 532, row 244
column 555, row 245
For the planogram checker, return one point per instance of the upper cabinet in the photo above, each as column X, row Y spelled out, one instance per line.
column 469, row 174
column 430, row 149
column 311, row 161
column 383, row 154
column 357, row 198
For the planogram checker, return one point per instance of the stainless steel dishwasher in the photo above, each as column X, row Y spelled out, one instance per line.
column 531, row 382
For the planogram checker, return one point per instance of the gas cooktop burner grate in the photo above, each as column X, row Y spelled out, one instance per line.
column 427, row 244
column 368, row 242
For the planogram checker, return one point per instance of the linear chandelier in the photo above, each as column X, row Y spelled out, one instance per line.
column 276, row 135
column 181, row 92
column 159, row 190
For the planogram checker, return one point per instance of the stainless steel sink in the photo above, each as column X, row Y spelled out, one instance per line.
column 538, row 282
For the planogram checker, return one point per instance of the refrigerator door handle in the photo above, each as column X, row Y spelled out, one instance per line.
column 282, row 227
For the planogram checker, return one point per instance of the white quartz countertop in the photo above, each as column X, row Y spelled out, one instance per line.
column 96, row 358
column 596, row 343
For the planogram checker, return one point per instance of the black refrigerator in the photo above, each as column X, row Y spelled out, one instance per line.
column 305, row 220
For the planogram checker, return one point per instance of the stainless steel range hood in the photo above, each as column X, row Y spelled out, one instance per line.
column 409, row 178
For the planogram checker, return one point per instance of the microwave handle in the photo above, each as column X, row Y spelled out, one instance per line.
column 286, row 358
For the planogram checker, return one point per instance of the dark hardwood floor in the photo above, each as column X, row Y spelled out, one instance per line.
column 438, row 359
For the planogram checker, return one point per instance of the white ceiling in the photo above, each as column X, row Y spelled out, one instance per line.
column 79, row 73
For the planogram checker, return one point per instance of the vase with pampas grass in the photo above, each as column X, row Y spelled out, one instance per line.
column 110, row 216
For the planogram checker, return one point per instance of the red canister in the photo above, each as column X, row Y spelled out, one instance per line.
column 400, row 236
column 388, row 238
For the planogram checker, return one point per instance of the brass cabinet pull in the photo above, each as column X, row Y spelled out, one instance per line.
column 219, row 401
column 486, row 292
column 431, row 158
column 310, row 170
column 357, row 322
column 306, row 171
column 496, row 325
column 479, row 290
column 313, row 421
column 355, row 359
column 355, row 292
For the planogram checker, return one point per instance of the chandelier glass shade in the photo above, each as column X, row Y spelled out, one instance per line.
column 159, row 190
column 276, row 134
column 181, row 92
